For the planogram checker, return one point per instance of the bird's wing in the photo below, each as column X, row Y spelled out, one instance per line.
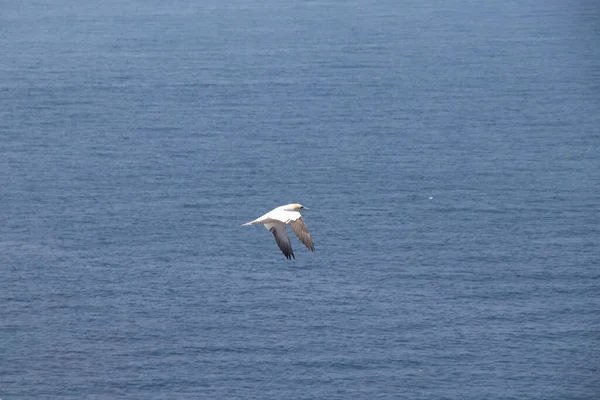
column 301, row 231
column 282, row 238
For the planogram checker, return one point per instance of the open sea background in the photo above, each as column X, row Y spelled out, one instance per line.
column 449, row 150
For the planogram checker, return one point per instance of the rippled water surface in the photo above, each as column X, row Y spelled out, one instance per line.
column 449, row 152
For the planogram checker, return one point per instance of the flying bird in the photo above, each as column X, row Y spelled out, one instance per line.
column 276, row 220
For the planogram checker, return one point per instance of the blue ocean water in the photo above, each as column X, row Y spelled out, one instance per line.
column 449, row 152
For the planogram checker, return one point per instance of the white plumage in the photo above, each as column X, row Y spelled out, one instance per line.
column 276, row 220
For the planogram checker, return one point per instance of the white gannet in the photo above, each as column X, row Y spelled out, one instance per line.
column 275, row 221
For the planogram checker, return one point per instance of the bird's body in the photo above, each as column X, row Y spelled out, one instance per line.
column 276, row 220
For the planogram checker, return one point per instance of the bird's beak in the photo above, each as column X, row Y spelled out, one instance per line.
column 304, row 208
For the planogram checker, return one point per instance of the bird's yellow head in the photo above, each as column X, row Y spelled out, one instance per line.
column 295, row 207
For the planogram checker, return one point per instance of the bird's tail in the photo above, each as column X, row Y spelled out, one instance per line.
column 249, row 223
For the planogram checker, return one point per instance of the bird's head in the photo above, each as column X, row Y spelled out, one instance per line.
column 295, row 207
